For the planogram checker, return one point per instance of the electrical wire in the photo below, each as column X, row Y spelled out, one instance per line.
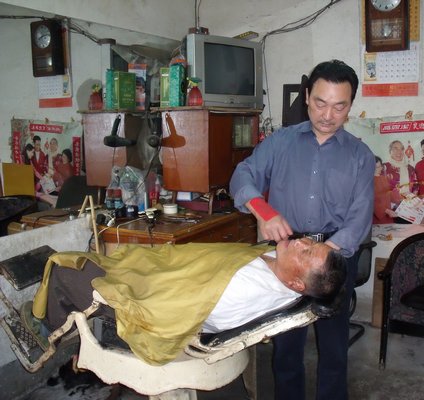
column 290, row 27
column 126, row 223
column 301, row 23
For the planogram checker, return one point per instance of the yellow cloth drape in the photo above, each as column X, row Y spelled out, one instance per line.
column 161, row 295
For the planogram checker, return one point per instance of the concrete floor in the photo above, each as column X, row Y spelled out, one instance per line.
column 402, row 379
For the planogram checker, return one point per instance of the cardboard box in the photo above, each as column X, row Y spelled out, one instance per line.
column 124, row 90
column 140, row 71
column 164, row 87
column 176, row 85
column 109, row 95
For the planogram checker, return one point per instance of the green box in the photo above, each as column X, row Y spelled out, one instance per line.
column 109, row 95
column 176, row 85
column 164, row 87
column 124, row 90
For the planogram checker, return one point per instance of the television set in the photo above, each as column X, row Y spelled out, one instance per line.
column 229, row 69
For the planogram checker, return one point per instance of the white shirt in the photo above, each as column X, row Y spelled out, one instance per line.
column 253, row 291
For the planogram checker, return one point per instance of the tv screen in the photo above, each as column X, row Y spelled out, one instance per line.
column 229, row 70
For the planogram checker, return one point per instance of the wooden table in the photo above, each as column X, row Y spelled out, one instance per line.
column 232, row 227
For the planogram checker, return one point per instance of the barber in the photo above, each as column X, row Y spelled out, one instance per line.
column 319, row 182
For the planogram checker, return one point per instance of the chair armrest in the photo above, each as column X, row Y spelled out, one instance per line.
column 99, row 298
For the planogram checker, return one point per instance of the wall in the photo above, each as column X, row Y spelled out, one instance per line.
column 161, row 18
column 19, row 88
column 335, row 34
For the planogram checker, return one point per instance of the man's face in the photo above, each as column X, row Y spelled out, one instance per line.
column 295, row 257
column 328, row 107
column 397, row 151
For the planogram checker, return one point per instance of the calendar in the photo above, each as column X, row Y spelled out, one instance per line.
column 392, row 66
column 55, row 91
column 51, row 87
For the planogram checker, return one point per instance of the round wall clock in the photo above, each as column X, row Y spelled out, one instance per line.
column 386, row 25
column 385, row 5
column 42, row 36
column 47, row 48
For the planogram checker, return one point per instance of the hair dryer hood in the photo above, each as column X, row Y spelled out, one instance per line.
column 113, row 140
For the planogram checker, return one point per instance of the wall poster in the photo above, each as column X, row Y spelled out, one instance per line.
column 398, row 144
column 54, row 150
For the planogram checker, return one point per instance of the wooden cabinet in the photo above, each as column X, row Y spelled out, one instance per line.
column 202, row 146
column 99, row 158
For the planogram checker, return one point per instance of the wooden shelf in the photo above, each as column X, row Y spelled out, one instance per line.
column 229, row 110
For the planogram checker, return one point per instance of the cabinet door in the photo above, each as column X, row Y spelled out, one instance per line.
column 197, row 148
column 220, row 149
column 99, row 158
column 185, row 153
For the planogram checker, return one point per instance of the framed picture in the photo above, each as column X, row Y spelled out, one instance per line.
column 290, row 94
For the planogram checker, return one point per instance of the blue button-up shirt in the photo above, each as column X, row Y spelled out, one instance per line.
column 317, row 188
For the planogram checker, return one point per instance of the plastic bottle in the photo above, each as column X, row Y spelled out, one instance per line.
column 154, row 194
column 110, row 191
column 194, row 96
column 117, row 197
column 109, row 201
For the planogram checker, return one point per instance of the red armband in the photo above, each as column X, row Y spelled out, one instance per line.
column 264, row 210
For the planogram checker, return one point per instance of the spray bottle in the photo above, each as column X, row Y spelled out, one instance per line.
column 194, row 96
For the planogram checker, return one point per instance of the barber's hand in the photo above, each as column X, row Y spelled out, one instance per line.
column 277, row 228
column 272, row 225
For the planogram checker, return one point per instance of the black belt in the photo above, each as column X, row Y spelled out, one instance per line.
column 317, row 236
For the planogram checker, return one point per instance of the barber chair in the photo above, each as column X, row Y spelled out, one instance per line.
column 208, row 362
column 403, row 292
column 364, row 271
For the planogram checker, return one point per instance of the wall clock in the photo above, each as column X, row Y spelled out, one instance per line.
column 387, row 25
column 47, row 48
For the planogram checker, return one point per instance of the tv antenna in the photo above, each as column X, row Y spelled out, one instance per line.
column 197, row 28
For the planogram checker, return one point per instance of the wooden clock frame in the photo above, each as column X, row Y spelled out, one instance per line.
column 387, row 30
column 48, row 60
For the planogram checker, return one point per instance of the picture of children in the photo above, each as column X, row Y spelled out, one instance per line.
column 401, row 175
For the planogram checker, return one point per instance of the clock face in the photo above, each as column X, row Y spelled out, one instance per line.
column 42, row 36
column 385, row 5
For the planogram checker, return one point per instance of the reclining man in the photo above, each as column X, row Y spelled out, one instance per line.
column 162, row 296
